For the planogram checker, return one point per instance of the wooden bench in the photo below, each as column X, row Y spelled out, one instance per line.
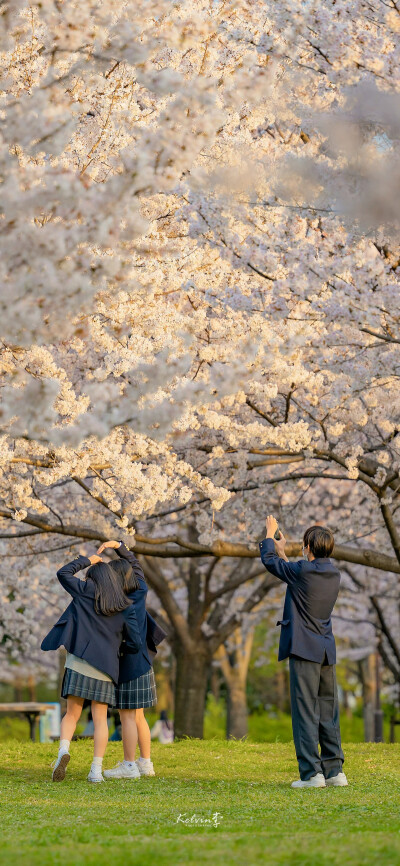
column 30, row 709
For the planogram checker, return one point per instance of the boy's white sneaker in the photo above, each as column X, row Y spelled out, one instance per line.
column 338, row 781
column 145, row 767
column 95, row 775
column 317, row 781
column 60, row 766
column 123, row 771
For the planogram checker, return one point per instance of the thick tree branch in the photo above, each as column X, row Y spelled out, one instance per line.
column 391, row 528
column 275, row 461
column 156, row 547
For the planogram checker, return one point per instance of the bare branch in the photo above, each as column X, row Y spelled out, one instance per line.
column 385, row 628
column 391, row 528
column 380, row 336
column 234, row 620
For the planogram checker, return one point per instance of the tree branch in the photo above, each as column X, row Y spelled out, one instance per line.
column 391, row 528
column 262, row 414
column 387, row 661
column 160, row 586
column 385, row 628
column 234, row 620
column 155, row 547
column 379, row 336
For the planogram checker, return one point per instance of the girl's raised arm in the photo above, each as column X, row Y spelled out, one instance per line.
column 123, row 551
column 72, row 584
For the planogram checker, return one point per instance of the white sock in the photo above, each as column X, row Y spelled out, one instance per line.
column 144, row 760
column 129, row 764
column 96, row 765
column 64, row 746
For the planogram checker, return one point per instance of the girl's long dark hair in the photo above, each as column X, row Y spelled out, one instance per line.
column 126, row 575
column 110, row 597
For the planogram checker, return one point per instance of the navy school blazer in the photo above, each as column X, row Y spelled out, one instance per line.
column 312, row 590
column 89, row 635
column 133, row 665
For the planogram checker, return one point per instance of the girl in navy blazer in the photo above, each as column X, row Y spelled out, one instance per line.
column 136, row 684
column 91, row 629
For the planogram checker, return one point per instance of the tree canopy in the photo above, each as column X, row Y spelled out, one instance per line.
column 200, row 269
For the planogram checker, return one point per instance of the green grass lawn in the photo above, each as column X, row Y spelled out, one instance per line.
column 261, row 819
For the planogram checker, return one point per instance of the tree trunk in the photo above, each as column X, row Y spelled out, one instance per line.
column 234, row 666
column 32, row 687
column 17, row 690
column 346, row 706
column 190, row 691
column 368, row 691
column 215, row 684
column 280, row 688
column 236, row 720
column 165, row 698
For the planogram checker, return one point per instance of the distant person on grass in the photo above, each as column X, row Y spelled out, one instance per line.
column 163, row 729
column 308, row 641
column 91, row 629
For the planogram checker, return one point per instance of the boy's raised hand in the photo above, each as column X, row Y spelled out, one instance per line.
column 105, row 544
column 271, row 525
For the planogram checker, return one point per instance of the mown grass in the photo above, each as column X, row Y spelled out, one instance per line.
column 261, row 819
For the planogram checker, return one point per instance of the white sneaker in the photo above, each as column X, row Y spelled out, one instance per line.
column 60, row 766
column 123, row 771
column 317, row 781
column 95, row 775
column 338, row 781
column 146, row 769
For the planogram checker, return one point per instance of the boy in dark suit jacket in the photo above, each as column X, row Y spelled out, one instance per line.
column 308, row 641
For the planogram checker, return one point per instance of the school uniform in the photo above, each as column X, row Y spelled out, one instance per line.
column 308, row 641
column 92, row 640
column 86, row 681
column 136, row 681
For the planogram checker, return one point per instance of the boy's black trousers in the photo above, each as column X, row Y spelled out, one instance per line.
column 315, row 717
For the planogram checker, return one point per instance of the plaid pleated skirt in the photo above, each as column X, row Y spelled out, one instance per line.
column 87, row 687
column 137, row 693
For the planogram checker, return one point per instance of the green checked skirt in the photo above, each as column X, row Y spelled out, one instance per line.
column 137, row 693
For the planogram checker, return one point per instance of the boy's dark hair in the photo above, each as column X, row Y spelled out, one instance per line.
column 110, row 597
column 320, row 541
column 126, row 575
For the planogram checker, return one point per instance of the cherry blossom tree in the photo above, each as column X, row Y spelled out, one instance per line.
column 199, row 313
